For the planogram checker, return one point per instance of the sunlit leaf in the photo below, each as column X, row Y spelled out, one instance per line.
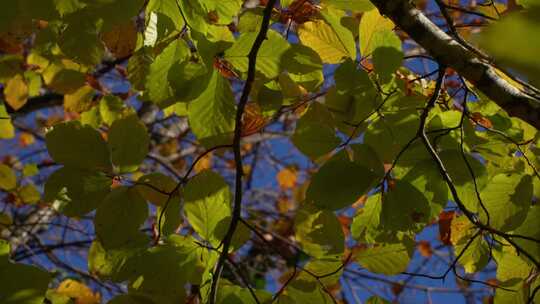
column 386, row 259
column 207, row 202
column 268, row 57
column 211, row 115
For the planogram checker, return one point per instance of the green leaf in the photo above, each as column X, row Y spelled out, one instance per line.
column 65, row 7
column 111, row 264
column 507, row 198
column 130, row 299
column 75, row 192
column 29, row 194
column 474, row 257
column 404, row 208
column 304, row 66
column 111, row 108
column 512, row 271
column 8, row 179
column 233, row 294
column 158, row 86
column 207, row 202
column 387, row 54
column 170, row 219
column 21, row 284
column 530, row 228
column 211, row 115
column 195, row 15
column 162, row 272
column 75, row 145
column 224, row 10
column 365, row 156
column 154, row 187
column 128, row 141
column 119, row 217
column 168, row 8
column 366, row 226
column 338, row 184
column 7, row 130
column 319, row 232
column 522, row 24
column 138, row 68
column 80, row 39
column 352, row 5
column 91, row 118
column 371, row 25
column 268, row 57
column 314, row 134
column 390, row 259
column 323, row 39
column 30, row 170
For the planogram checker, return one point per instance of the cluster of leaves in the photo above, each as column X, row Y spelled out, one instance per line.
column 390, row 154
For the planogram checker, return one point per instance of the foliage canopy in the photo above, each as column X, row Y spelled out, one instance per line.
column 202, row 151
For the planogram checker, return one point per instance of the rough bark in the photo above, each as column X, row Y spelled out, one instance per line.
column 450, row 52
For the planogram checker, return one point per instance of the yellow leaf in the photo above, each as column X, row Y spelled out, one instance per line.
column 459, row 228
column 204, row 163
column 320, row 36
column 79, row 101
column 372, row 22
column 8, row 179
column 78, row 291
column 16, row 92
column 7, row 130
column 121, row 40
column 286, row 178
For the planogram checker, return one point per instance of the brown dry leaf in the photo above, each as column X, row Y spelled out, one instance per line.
column 121, row 40
column 252, row 120
column 445, row 221
column 287, row 177
column 481, row 120
column 283, row 204
column 204, row 163
column 397, row 288
column 78, row 291
column 424, row 248
column 360, row 202
column 16, row 92
column 168, row 148
column 345, row 222
column 9, row 44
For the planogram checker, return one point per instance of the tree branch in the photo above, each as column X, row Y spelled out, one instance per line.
column 237, row 208
column 448, row 51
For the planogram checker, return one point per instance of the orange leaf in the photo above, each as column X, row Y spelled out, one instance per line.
column 445, row 221
column 424, row 248
column 78, row 291
column 286, row 178
column 204, row 163
column 26, row 139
